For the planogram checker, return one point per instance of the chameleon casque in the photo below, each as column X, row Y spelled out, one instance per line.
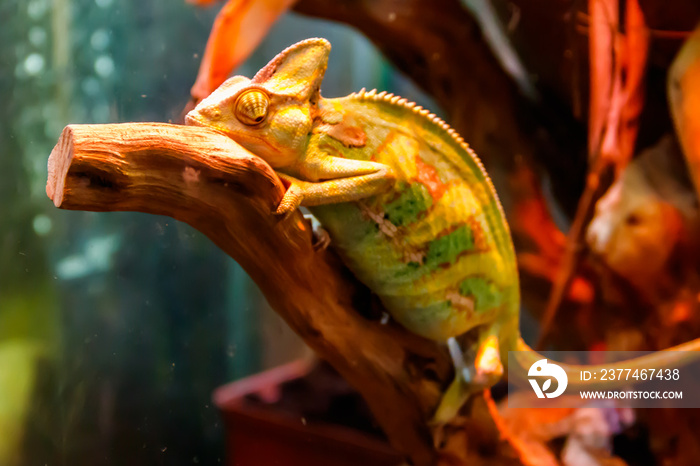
column 407, row 204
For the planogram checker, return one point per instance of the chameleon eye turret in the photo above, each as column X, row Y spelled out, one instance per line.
column 251, row 107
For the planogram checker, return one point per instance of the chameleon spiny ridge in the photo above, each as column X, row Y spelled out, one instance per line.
column 407, row 204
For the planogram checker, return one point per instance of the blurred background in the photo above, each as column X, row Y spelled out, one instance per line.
column 116, row 328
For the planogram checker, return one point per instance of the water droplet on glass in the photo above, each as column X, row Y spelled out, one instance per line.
column 100, row 39
column 104, row 66
column 34, row 64
column 37, row 8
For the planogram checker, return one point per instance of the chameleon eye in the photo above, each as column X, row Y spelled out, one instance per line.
column 251, row 107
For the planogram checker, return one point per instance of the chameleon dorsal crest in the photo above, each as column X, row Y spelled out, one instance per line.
column 407, row 205
column 272, row 114
column 297, row 71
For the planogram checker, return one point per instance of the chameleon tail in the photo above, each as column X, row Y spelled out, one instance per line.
column 676, row 356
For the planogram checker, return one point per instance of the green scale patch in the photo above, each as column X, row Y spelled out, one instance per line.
column 414, row 199
column 486, row 295
column 441, row 252
column 444, row 250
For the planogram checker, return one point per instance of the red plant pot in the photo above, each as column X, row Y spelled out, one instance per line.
column 260, row 433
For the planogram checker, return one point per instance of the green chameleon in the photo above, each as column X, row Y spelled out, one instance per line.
column 406, row 202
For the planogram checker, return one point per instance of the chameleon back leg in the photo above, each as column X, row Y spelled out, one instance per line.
column 483, row 373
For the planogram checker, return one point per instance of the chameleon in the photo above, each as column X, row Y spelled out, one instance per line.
column 406, row 202
column 241, row 25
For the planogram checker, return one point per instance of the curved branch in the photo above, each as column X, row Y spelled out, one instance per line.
column 205, row 179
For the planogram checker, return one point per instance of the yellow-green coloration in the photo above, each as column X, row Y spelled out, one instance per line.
column 445, row 250
column 438, row 225
column 19, row 360
column 29, row 338
column 407, row 204
column 413, row 200
column 486, row 294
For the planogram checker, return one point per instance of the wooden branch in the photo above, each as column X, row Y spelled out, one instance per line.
column 205, row 179
column 618, row 63
column 439, row 45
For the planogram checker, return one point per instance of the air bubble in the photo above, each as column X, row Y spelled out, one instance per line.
column 42, row 225
column 37, row 8
column 104, row 66
column 100, row 39
column 34, row 64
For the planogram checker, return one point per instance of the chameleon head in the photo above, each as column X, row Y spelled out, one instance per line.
column 272, row 114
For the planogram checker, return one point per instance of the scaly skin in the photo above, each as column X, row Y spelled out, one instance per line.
column 238, row 28
column 435, row 246
column 407, row 204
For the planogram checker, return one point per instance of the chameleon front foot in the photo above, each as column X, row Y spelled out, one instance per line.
column 290, row 201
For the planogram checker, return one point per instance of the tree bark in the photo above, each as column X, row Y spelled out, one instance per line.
column 205, row 179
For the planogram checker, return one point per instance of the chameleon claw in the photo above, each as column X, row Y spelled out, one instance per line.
column 321, row 237
column 321, row 240
column 283, row 211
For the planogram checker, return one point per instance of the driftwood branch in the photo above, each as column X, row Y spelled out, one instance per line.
column 203, row 178
column 440, row 46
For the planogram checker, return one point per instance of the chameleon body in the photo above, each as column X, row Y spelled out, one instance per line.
column 434, row 246
column 406, row 202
